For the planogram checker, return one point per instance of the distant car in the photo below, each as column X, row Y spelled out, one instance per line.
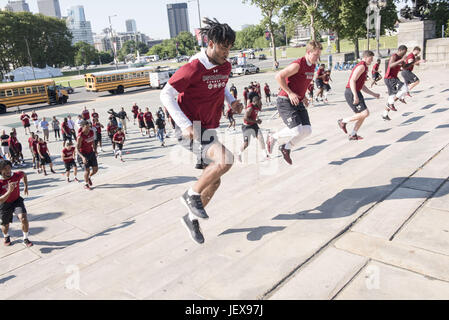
column 66, row 68
column 69, row 90
column 262, row 57
column 300, row 44
column 182, row 59
column 246, row 69
column 91, row 67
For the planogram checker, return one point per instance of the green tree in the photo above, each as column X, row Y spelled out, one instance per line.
column 331, row 19
column 306, row 13
column 270, row 9
column 245, row 38
column 104, row 57
column 85, row 54
column 439, row 12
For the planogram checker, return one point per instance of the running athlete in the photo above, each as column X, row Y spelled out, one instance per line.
column 200, row 88
column 35, row 144
column 119, row 140
column 12, row 203
column 326, row 86
column 68, row 155
column 310, row 91
column 97, row 126
column 44, row 155
column 135, row 111
column 112, row 129
column 25, row 121
column 319, row 82
column 85, row 114
column 375, row 73
column 35, row 119
column 148, row 120
column 267, row 91
column 85, row 148
column 413, row 59
column 354, row 95
column 30, row 145
column 245, row 96
column 292, row 102
column 250, row 127
column 141, row 119
column 230, row 116
column 396, row 88
column 95, row 115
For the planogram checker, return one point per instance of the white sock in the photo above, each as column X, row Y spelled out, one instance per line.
column 347, row 120
column 25, row 235
column 192, row 217
column 385, row 113
column 354, row 133
column 288, row 146
column 5, row 235
column 391, row 99
column 192, row 193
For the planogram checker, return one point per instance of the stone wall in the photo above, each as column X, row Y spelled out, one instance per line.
column 415, row 33
column 437, row 50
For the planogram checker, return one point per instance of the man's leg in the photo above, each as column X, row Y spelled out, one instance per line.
column 414, row 84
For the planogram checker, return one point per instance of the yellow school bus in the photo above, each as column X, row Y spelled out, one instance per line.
column 16, row 94
column 116, row 81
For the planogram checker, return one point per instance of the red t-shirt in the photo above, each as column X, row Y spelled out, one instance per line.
column 34, row 116
column 13, row 142
column 97, row 127
column 411, row 56
column 85, row 114
column 135, row 110
column 35, row 143
column 319, row 73
column 375, row 68
column 16, row 177
column 148, row 116
column 95, row 115
column 120, row 137
column 69, row 154
column 245, row 95
column 141, row 116
column 43, row 149
column 267, row 90
column 111, row 128
column 201, row 90
column 25, row 119
column 326, row 78
column 393, row 72
column 254, row 113
column 65, row 128
column 361, row 80
column 30, row 142
column 299, row 82
column 87, row 142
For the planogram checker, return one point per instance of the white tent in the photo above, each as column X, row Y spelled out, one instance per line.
column 26, row 73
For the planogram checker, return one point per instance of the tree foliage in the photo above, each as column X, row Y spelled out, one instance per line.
column 85, row 54
column 184, row 44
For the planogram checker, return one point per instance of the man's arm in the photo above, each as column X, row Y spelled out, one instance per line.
column 11, row 187
column 168, row 98
column 365, row 89
column 248, row 115
column 393, row 63
column 78, row 148
column 25, row 182
column 281, row 77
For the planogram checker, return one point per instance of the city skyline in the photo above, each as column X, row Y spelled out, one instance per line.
column 152, row 19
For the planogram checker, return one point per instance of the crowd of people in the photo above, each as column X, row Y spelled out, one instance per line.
column 197, row 93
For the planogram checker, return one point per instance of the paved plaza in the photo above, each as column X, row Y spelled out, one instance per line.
column 348, row 220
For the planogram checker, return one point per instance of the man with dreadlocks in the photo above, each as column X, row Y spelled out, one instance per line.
column 194, row 97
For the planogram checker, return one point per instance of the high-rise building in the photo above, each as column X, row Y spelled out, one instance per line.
column 178, row 18
column 17, row 6
column 131, row 25
column 49, row 8
column 77, row 24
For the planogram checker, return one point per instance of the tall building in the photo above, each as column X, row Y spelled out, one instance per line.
column 178, row 18
column 49, row 8
column 131, row 26
column 17, row 6
column 77, row 24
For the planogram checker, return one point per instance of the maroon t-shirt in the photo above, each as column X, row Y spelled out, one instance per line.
column 201, row 90
column 141, row 116
column 361, row 80
column 34, row 116
column 254, row 113
column 87, row 142
column 25, row 119
column 135, row 110
column 300, row 81
column 43, row 149
column 16, row 177
column 85, row 114
column 393, row 72
column 119, row 137
column 65, row 128
column 148, row 116
column 411, row 56
column 375, row 68
column 69, row 154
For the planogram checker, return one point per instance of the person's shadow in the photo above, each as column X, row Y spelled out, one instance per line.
column 349, row 201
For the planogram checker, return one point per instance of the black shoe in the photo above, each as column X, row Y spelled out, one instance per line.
column 342, row 126
column 194, row 229
column 387, row 118
column 194, row 205
column 7, row 241
column 286, row 154
column 27, row 243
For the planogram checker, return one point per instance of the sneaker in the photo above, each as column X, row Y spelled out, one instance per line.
column 27, row 243
column 7, row 241
column 403, row 101
column 342, row 126
column 194, row 229
column 194, row 205
column 68, row 180
column 391, row 107
column 355, row 137
column 408, row 93
column 53, row 171
column 87, row 187
column 286, row 154
column 116, row 155
column 270, row 143
column 387, row 118
column 76, row 179
column 90, row 182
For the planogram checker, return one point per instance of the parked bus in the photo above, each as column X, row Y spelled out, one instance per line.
column 16, row 94
column 116, row 81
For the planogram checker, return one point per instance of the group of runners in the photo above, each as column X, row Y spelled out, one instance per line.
column 194, row 99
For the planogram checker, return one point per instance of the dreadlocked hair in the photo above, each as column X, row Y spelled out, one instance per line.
column 218, row 32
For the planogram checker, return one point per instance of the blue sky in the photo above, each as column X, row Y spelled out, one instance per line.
column 151, row 15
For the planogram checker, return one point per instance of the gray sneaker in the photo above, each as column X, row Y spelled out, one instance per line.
column 194, row 205
column 194, row 229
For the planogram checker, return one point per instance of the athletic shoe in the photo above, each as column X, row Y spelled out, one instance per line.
column 76, row 179
column 27, row 243
column 53, row 171
column 391, row 107
column 387, row 118
column 194, row 229
column 342, row 126
column 403, row 101
column 286, row 154
column 270, row 143
column 7, row 241
column 68, row 180
column 355, row 137
column 87, row 187
column 90, row 182
column 116, row 155
column 408, row 93
column 194, row 205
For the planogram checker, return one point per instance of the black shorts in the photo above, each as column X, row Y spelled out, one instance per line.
column 150, row 125
column 409, row 77
column 135, row 115
column 230, row 116
column 393, row 85
column 250, row 130
column 119, row 145
column 208, row 138
column 69, row 165
column 45, row 159
column 142, row 125
column 349, row 96
column 292, row 116
column 98, row 137
column 319, row 83
column 66, row 137
column 26, row 125
column 376, row 75
column 91, row 160
column 327, row 87
column 8, row 209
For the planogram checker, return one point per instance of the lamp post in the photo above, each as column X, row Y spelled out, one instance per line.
column 376, row 6
column 112, row 43
column 199, row 16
